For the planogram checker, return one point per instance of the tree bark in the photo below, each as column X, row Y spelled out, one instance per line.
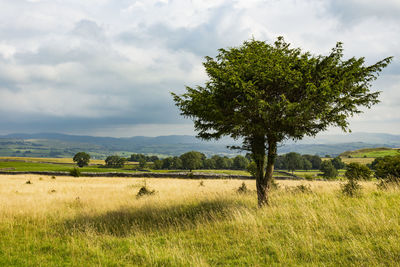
column 258, row 149
column 264, row 179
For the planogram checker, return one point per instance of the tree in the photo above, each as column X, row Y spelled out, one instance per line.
column 307, row 165
column 385, row 167
column 115, row 161
column 240, row 163
column 328, row 170
column 315, row 161
column 338, row 163
column 192, row 160
column 294, row 161
column 142, row 163
column 265, row 94
column 356, row 171
column 82, row 159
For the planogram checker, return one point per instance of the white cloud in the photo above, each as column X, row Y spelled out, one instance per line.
column 117, row 61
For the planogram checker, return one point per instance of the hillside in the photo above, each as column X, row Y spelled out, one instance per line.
column 371, row 152
column 63, row 145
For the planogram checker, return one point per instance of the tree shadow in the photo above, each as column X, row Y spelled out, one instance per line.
column 128, row 220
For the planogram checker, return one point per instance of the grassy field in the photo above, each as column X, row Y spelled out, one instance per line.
column 100, row 222
column 371, row 152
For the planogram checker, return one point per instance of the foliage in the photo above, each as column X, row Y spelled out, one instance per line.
column 145, row 191
column 142, row 163
column 115, row 161
column 192, row 160
column 328, row 170
column 389, row 182
column 75, row 172
column 352, row 188
column 252, row 169
column 338, row 163
column 82, row 159
column 242, row 189
column 266, row 93
column 294, row 161
column 141, row 157
column 357, row 171
column 386, row 166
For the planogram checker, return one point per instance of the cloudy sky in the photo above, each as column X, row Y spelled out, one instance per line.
column 107, row 68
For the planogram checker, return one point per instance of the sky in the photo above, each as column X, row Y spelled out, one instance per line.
column 106, row 68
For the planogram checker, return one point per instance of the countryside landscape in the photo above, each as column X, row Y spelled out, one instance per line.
column 199, row 133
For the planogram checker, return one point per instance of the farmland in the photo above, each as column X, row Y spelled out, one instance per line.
column 100, row 221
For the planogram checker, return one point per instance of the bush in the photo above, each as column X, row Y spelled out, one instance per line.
column 242, row 189
column 352, row 188
column 75, row 172
column 389, row 182
column 145, row 191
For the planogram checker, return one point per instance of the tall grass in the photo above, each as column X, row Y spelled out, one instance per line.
column 93, row 221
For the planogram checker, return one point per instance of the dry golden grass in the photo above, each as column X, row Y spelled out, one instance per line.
column 101, row 222
column 364, row 161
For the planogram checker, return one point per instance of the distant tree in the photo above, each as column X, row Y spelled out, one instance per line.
column 192, row 160
column 328, row 170
column 82, row 159
column 158, row 164
column 176, row 163
column 294, row 161
column 266, row 93
column 354, row 173
column 281, row 163
column 240, row 163
column 315, row 161
column 210, row 164
column 357, row 171
column 115, row 161
column 167, row 163
column 338, row 163
column 307, row 165
column 142, row 163
column 388, row 166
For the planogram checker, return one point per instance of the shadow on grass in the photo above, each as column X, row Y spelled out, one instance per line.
column 130, row 220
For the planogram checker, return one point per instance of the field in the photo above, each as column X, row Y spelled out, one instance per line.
column 101, row 222
column 371, row 152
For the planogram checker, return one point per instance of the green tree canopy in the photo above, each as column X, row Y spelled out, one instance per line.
column 328, row 170
column 82, row 159
column 357, row 171
column 192, row 160
column 265, row 93
column 115, row 161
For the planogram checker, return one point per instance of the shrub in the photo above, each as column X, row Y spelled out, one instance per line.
column 75, row 172
column 389, row 182
column 28, row 182
column 145, row 191
column 242, row 189
column 308, row 177
column 352, row 188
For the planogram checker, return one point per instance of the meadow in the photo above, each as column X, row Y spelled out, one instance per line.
column 101, row 222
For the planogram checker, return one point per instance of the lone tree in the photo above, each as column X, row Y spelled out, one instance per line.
column 82, row 159
column 265, row 93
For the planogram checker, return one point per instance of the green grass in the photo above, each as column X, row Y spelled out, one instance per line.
column 209, row 226
column 38, row 166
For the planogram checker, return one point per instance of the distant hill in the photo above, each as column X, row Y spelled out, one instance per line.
column 64, row 145
column 371, row 152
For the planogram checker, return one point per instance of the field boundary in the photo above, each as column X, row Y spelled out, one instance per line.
column 147, row 175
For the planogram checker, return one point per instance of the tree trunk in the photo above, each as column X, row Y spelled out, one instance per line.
column 258, row 149
column 264, row 181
